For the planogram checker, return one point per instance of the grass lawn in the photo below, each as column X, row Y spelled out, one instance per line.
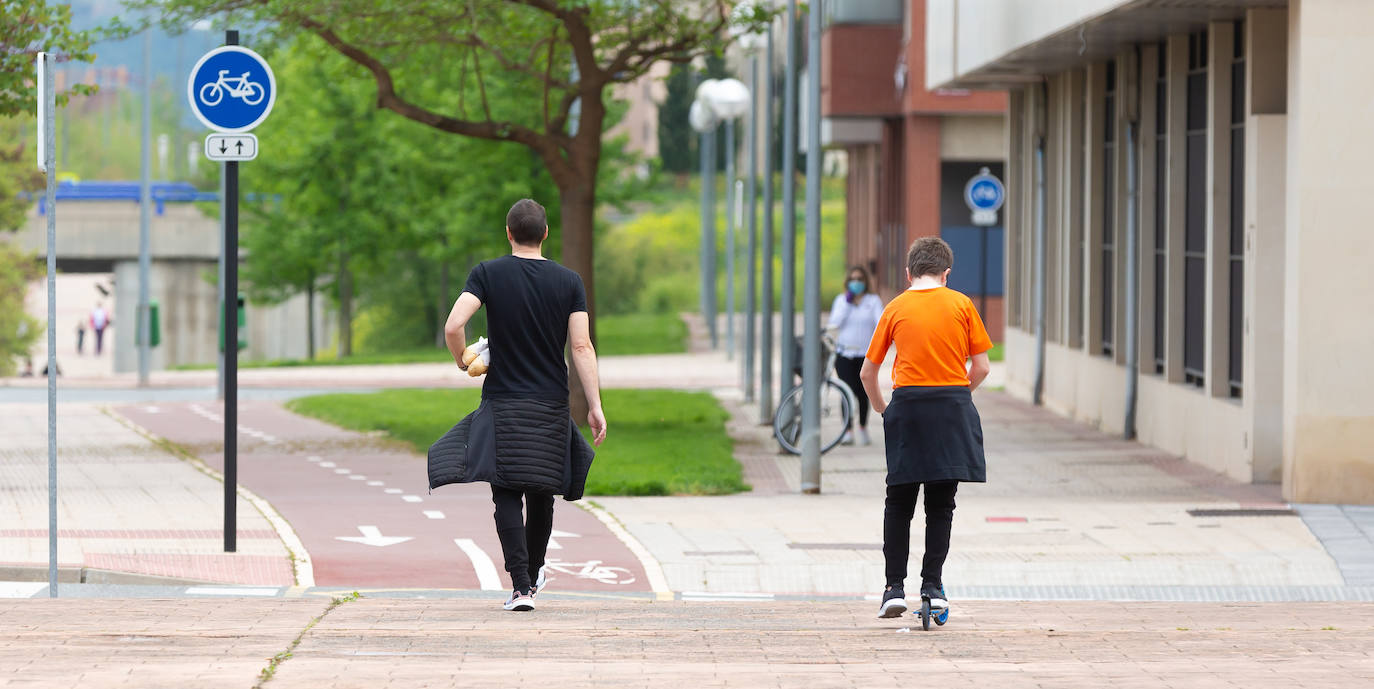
column 640, row 333
column 996, row 353
column 635, row 333
column 659, row 442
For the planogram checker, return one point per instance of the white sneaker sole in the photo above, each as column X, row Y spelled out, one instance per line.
column 519, row 606
column 892, row 608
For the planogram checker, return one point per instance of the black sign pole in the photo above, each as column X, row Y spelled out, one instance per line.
column 231, row 341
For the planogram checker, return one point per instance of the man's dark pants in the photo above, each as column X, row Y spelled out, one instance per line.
column 897, row 515
column 524, row 538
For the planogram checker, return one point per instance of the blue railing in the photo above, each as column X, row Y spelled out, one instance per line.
column 161, row 192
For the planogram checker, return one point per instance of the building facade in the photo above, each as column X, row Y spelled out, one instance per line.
column 1185, row 253
column 911, row 150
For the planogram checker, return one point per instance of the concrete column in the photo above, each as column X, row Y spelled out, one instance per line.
column 1328, row 411
column 1178, row 208
column 1093, row 194
column 1266, row 170
column 1149, row 191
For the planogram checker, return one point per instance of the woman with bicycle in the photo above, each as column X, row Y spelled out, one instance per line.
column 854, row 316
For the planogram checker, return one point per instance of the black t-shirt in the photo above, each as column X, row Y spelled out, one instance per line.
column 528, row 304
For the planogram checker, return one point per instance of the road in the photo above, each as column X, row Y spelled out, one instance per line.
column 362, row 508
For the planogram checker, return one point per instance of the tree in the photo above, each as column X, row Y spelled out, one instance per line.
column 560, row 57
column 26, row 28
column 676, row 140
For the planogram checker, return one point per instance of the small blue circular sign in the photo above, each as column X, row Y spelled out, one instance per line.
column 231, row 89
column 984, row 192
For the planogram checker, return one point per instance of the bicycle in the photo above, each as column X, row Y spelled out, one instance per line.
column 592, row 569
column 837, row 406
column 250, row 92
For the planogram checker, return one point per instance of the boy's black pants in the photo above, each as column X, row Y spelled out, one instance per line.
column 897, row 515
column 524, row 538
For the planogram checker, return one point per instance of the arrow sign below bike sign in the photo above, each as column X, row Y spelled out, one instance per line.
column 231, row 89
column 231, row 147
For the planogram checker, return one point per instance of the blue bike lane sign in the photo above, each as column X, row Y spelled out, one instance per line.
column 231, row 89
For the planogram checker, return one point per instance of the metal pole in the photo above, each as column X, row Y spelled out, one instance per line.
column 730, row 237
column 145, row 200
column 811, row 351
column 231, row 342
column 1132, row 288
column 787, row 335
column 766, row 337
column 703, row 144
column 49, row 135
column 751, row 280
column 708, row 234
column 1039, row 294
column 219, row 363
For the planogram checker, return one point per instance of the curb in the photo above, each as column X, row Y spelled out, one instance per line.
column 657, row 580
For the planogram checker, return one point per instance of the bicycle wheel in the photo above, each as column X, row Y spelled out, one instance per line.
column 787, row 422
column 835, row 417
column 210, row 94
column 836, row 413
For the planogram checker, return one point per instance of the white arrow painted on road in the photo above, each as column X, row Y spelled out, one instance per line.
column 556, row 534
column 373, row 536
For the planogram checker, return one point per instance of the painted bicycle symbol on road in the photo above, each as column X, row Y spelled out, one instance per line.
column 592, row 569
column 250, row 92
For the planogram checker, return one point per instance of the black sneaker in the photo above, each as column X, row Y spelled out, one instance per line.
column 935, row 593
column 894, row 602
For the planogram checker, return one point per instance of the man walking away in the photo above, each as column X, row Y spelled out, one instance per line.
column 522, row 439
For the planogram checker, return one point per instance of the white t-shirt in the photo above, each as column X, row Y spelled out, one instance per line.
column 856, row 323
column 99, row 318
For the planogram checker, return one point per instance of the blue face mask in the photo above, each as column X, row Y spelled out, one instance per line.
column 856, row 286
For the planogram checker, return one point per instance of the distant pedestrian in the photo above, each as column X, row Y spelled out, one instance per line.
column 854, row 316
column 933, row 434
column 522, row 438
column 80, row 336
column 100, row 320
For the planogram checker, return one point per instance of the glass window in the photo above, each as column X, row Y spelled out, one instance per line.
column 1195, row 220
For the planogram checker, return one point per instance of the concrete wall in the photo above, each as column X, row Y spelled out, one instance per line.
column 962, row 35
column 108, row 231
column 189, row 313
column 1177, row 419
column 973, row 137
column 1328, row 409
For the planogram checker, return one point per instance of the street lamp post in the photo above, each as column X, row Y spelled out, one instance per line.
column 704, row 122
column 718, row 100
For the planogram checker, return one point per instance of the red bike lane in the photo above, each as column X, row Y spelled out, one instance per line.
column 364, row 513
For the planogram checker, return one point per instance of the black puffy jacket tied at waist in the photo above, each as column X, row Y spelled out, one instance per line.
column 523, row 444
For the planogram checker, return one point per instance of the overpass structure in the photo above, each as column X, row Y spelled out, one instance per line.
column 98, row 232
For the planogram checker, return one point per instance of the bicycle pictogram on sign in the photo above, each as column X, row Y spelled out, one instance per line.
column 250, row 92
column 231, row 89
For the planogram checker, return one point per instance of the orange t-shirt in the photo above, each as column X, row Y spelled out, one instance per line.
column 936, row 331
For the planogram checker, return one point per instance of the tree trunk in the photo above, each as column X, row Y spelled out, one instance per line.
column 310, row 319
column 579, row 218
column 443, row 294
column 345, row 281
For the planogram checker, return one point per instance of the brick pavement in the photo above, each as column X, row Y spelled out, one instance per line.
column 1064, row 506
column 124, row 504
column 571, row 643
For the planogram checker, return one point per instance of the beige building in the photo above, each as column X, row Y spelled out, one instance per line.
column 1188, row 257
column 640, row 124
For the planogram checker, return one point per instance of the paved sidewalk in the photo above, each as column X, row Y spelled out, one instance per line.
column 571, row 643
column 1067, row 513
column 125, row 507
